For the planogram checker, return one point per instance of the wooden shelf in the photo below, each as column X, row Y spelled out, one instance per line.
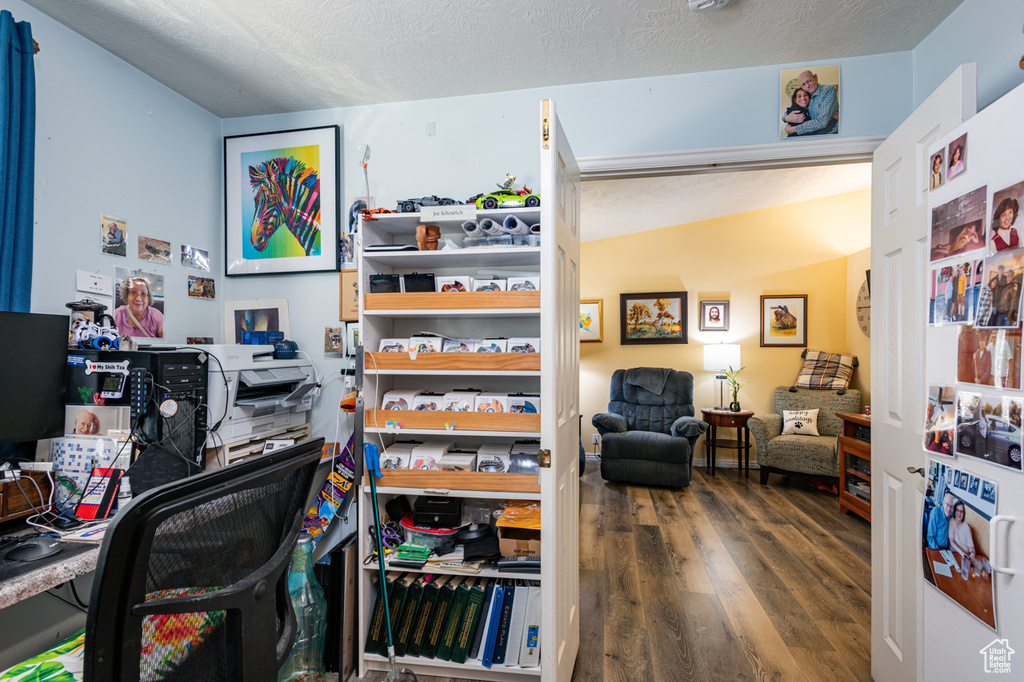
column 433, row 568
column 461, row 300
column 851, row 446
column 505, row 256
column 463, row 421
column 471, row 669
column 439, row 481
column 856, row 474
column 454, row 362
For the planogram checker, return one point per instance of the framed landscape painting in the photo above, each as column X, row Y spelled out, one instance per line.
column 652, row 318
column 281, row 195
column 784, row 321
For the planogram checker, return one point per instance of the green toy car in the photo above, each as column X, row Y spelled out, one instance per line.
column 507, row 198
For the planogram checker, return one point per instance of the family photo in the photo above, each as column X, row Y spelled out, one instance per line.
column 810, row 101
column 988, row 357
column 988, row 428
column 940, row 420
column 999, row 297
column 958, row 226
column 955, row 537
column 955, row 290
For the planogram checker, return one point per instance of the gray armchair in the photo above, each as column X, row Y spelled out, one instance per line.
column 812, row 456
column 649, row 431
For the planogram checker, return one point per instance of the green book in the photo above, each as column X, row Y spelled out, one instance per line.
column 376, row 635
column 405, row 621
column 423, row 615
column 452, row 627
column 444, row 603
column 396, row 602
column 470, row 619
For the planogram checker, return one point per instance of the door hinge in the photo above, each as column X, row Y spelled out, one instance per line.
column 544, row 459
column 546, row 125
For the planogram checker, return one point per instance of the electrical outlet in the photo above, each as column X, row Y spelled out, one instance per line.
column 595, row 439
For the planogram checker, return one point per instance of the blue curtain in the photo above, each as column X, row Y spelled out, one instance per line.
column 17, row 162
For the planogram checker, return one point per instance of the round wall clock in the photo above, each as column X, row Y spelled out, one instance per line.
column 864, row 309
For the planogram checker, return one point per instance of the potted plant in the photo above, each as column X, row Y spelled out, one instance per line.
column 731, row 376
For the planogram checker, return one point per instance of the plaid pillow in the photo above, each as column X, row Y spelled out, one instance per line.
column 825, row 370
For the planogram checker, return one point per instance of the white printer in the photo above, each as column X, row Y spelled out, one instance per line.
column 261, row 394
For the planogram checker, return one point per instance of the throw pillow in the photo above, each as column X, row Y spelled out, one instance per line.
column 800, row 422
column 825, row 370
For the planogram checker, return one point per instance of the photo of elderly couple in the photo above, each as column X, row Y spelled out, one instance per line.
column 954, row 539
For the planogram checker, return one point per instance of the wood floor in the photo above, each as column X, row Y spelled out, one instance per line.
column 724, row 580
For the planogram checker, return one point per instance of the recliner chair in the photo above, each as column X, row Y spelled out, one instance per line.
column 649, row 431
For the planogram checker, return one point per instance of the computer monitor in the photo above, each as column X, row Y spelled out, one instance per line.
column 33, row 367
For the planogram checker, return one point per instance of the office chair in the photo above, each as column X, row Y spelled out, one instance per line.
column 212, row 549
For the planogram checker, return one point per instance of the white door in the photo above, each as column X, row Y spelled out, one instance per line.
column 560, row 379
column 899, row 260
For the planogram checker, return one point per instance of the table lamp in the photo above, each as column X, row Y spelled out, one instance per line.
column 719, row 357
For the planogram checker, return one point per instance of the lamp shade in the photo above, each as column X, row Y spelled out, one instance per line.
column 720, row 356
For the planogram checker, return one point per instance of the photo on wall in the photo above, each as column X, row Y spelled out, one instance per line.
column 809, row 101
column 955, row 541
column 988, row 357
column 999, row 294
column 958, row 226
column 954, row 292
column 96, row 420
column 139, row 297
column 334, row 342
column 113, row 236
column 1004, row 232
column 988, row 428
column 937, row 164
column 940, row 420
column 957, row 155
column 195, row 258
column 155, row 250
column 201, row 287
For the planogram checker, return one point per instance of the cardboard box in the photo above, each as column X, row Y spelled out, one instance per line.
column 491, row 346
column 428, row 402
column 458, row 461
column 456, row 283
column 490, row 402
column 518, row 542
column 459, row 345
column 524, row 403
column 425, row 344
column 398, row 400
column 524, row 345
column 531, row 283
column 488, row 284
column 459, row 401
column 393, row 345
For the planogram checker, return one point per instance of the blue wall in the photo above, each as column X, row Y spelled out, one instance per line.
column 984, row 31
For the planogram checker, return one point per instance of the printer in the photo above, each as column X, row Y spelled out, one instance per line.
column 257, row 393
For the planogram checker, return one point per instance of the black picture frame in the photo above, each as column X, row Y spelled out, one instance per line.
column 308, row 240
column 659, row 318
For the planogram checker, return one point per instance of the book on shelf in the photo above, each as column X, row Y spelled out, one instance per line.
column 441, row 612
column 529, row 650
column 470, row 619
column 497, row 603
column 405, row 621
column 396, row 605
column 481, row 626
column 424, row 614
column 375, row 634
column 515, row 626
column 454, row 620
column 501, row 640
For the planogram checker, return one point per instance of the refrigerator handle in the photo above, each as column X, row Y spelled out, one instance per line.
column 992, row 525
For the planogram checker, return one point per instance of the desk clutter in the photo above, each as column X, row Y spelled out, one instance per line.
column 501, row 458
column 456, row 614
column 468, row 400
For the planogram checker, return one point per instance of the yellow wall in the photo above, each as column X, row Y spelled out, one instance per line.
column 856, row 342
column 801, row 248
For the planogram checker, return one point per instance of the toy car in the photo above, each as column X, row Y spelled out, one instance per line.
column 507, row 198
column 414, row 205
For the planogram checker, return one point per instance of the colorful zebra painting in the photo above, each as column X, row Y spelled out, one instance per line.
column 286, row 193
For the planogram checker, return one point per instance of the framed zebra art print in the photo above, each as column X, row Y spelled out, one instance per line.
column 281, row 197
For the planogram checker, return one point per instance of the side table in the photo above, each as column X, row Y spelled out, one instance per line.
column 735, row 420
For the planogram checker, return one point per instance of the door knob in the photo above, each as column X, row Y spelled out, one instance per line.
column 916, row 470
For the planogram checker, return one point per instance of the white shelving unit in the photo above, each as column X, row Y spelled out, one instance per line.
column 550, row 315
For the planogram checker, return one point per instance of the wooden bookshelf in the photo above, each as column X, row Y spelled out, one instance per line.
column 454, row 362
column 460, row 300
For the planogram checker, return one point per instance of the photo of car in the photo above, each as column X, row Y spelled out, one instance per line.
column 998, row 442
column 508, row 198
column 414, row 205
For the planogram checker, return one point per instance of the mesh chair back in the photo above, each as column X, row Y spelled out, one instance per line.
column 191, row 580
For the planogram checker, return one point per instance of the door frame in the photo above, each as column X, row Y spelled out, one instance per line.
column 795, row 154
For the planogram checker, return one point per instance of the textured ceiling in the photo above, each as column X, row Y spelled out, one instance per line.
column 611, row 208
column 252, row 57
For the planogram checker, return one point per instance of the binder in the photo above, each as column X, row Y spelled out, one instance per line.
column 492, row 625
column 424, row 614
column 405, row 621
column 396, row 603
column 470, row 618
column 515, row 627
column 451, row 628
column 501, row 641
column 485, row 615
column 529, row 651
column 375, row 634
column 440, row 619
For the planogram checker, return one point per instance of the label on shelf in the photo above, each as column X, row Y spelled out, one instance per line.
column 447, row 214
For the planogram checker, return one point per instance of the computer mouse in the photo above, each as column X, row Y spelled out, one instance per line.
column 32, row 550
